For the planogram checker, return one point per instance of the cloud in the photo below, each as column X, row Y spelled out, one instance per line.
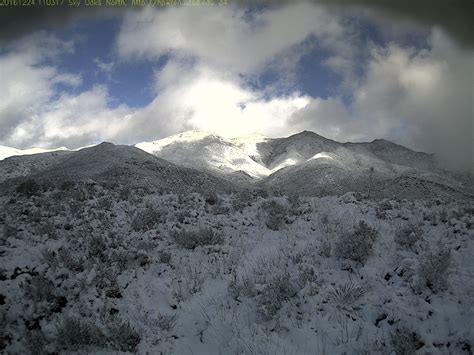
column 104, row 67
column 453, row 17
column 419, row 98
column 27, row 85
column 204, row 99
column 228, row 38
column 34, row 111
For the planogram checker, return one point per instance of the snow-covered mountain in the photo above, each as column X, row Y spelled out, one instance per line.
column 6, row 152
column 307, row 163
column 304, row 163
column 110, row 165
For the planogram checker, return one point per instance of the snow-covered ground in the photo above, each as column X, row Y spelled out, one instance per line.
column 86, row 269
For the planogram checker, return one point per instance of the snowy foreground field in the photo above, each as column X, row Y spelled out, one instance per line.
column 86, row 269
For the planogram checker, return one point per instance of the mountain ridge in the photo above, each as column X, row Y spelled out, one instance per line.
column 304, row 163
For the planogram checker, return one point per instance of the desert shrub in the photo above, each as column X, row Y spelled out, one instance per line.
column 241, row 287
column 211, row 198
column 36, row 341
column 405, row 342
column 29, row 188
column 357, row 245
column 275, row 214
column 220, row 207
column 74, row 334
column 39, row 289
column 104, row 203
column 9, row 231
column 408, row 236
column 164, row 257
column 67, row 185
column 347, row 297
column 68, row 260
column 190, row 239
column 49, row 257
column 106, row 280
column 279, row 290
column 241, row 200
column 325, row 248
column 433, row 271
column 166, row 322
column 146, row 219
column 97, row 246
column 123, row 337
column 385, row 205
column 46, row 227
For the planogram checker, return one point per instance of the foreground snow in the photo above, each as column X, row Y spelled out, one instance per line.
column 90, row 269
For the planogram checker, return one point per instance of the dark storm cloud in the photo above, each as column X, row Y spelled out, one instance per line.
column 17, row 21
column 454, row 16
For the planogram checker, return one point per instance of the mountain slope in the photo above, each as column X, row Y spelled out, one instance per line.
column 204, row 151
column 113, row 165
column 310, row 164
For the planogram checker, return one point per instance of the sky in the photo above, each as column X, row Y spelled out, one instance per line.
column 348, row 70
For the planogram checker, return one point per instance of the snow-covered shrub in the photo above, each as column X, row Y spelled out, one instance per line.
column 219, row 207
column 106, row 280
column 211, row 198
column 357, row 245
column 190, row 239
column 49, row 257
column 164, row 257
column 47, row 228
column 147, row 218
column 74, row 334
column 347, row 297
column 35, row 341
column 294, row 202
column 97, row 246
column 5, row 338
column 279, row 290
column 434, row 270
column 408, row 236
column 325, row 248
column 241, row 200
column 68, row 260
column 386, row 204
column 9, row 231
column 123, row 337
column 241, row 287
column 274, row 214
column 40, row 289
column 104, row 203
column 29, row 188
column 166, row 322
column 405, row 341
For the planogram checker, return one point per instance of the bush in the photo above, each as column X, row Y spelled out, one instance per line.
column 194, row 238
column 357, row 245
column 164, row 257
column 74, row 334
column 274, row 294
column 166, row 322
column 29, row 188
column 123, row 337
column 212, row 198
column 405, row 342
column 408, row 236
column 347, row 297
column 146, row 219
column 275, row 215
column 40, row 289
column 433, row 272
